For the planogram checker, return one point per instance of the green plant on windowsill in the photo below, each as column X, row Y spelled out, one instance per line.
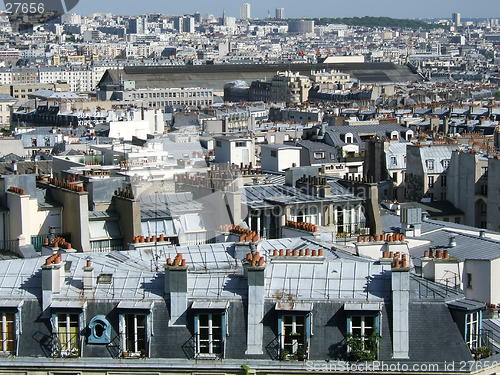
column 302, row 352
column 481, row 352
column 362, row 348
column 284, row 355
column 245, row 370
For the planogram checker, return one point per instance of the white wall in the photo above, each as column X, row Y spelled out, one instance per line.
column 284, row 159
column 481, row 280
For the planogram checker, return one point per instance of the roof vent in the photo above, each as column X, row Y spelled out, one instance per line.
column 453, row 242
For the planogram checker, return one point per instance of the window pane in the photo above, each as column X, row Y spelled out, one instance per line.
column 203, row 320
column 129, row 333
column 356, row 321
column 216, row 320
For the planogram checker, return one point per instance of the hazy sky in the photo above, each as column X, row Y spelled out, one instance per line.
column 302, row 8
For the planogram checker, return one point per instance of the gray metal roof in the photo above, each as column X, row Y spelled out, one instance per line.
column 262, row 196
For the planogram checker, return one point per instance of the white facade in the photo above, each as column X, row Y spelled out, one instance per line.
column 138, row 124
column 277, row 158
column 234, row 150
column 246, row 11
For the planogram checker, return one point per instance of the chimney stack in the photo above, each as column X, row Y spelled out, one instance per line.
column 176, row 274
column 255, row 271
column 52, row 279
column 88, row 277
column 411, row 221
column 400, row 284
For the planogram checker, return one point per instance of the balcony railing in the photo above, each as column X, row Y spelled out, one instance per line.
column 192, row 348
column 70, row 349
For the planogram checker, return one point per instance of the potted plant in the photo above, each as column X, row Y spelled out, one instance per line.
column 362, row 348
column 302, row 352
column 481, row 352
column 284, row 355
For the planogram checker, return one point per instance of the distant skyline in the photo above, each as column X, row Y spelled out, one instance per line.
column 295, row 8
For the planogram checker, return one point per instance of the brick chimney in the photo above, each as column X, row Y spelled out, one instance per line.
column 176, row 274
column 255, row 268
column 400, row 285
column 52, row 278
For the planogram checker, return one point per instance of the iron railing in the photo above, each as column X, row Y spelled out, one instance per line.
column 69, row 349
column 196, row 352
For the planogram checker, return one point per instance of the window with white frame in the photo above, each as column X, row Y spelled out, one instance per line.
column 292, row 332
column 430, row 180
column 429, row 163
column 135, row 338
column 472, row 329
column 305, row 214
column 8, row 332
column 68, row 334
column 209, row 332
column 362, row 327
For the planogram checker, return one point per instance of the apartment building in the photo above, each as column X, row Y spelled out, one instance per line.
column 426, row 171
column 283, row 87
column 6, row 102
column 168, row 97
column 116, row 307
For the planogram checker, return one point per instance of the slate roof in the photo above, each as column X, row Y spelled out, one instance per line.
column 260, row 196
column 437, row 234
column 335, row 135
column 310, row 147
column 396, row 150
column 216, row 273
column 26, row 167
column 437, row 153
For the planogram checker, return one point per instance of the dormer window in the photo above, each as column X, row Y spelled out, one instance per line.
column 349, row 138
column 429, row 163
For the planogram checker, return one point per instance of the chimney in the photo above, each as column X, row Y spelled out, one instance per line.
column 88, row 276
column 256, row 288
column 411, row 221
column 176, row 275
column 400, row 285
column 52, row 279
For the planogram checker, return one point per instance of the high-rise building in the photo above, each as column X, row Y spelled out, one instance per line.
column 301, row 26
column 245, row 11
column 188, row 24
column 137, row 25
column 280, row 13
column 457, row 19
